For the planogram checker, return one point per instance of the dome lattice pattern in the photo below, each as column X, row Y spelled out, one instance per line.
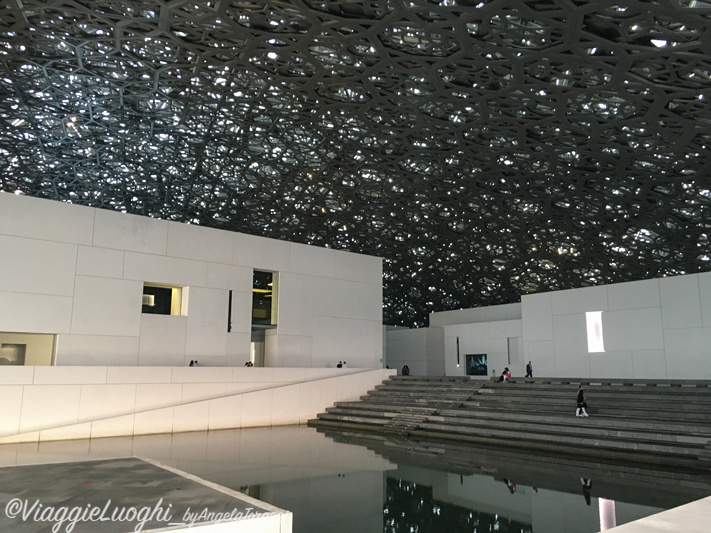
column 484, row 148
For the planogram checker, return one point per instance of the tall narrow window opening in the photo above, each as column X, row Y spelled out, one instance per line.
column 229, row 312
column 594, row 325
column 264, row 298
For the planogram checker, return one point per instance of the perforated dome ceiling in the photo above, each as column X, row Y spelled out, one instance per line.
column 484, row 149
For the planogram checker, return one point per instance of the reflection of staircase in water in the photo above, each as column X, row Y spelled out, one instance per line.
column 656, row 486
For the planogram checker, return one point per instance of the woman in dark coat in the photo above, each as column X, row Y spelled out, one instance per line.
column 581, row 403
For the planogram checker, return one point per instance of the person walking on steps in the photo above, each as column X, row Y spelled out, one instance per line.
column 529, row 370
column 580, row 411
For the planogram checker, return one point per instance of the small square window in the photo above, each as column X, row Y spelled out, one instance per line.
column 162, row 300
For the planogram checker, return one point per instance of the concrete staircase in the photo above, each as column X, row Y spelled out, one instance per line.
column 658, row 422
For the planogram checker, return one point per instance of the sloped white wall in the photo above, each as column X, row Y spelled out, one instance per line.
column 56, row 403
column 78, row 272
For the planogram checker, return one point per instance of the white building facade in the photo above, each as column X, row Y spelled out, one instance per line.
column 652, row 329
column 78, row 276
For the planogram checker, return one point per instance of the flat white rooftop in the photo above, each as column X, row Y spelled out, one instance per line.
column 126, row 495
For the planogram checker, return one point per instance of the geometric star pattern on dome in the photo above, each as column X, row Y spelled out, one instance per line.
column 484, row 149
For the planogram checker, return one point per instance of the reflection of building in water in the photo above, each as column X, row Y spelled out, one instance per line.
column 548, row 489
column 410, row 506
column 608, row 518
column 343, row 483
column 420, row 496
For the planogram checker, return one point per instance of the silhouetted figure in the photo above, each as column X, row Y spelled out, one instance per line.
column 587, row 486
column 405, row 370
column 511, row 485
column 581, row 403
column 529, row 370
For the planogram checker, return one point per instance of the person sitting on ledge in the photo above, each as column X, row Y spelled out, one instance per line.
column 405, row 370
column 505, row 375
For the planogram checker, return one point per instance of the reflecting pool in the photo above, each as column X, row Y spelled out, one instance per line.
column 348, row 482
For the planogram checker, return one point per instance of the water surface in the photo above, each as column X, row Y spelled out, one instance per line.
column 349, row 482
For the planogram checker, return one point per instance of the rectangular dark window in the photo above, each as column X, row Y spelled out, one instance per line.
column 159, row 301
column 162, row 300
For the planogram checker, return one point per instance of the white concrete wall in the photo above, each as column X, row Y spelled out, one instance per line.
column 78, row 272
column 652, row 329
column 421, row 349
column 657, row 328
column 491, row 338
column 407, row 347
column 57, row 403
column 433, row 351
column 476, row 315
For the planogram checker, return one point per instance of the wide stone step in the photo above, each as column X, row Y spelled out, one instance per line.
column 630, row 382
column 632, row 443
column 406, row 421
column 647, row 395
column 559, row 424
column 692, row 395
column 643, row 416
column 655, row 408
column 627, row 416
column 430, row 379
